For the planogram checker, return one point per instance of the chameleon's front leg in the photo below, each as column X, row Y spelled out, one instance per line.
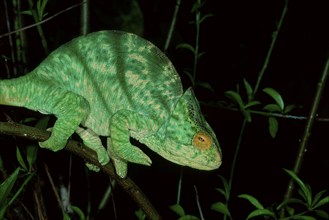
column 120, row 149
column 69, row 108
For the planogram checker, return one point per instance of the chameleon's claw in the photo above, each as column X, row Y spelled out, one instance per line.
column 52, row 144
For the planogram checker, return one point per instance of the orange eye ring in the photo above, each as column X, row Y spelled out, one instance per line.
column 202, row 140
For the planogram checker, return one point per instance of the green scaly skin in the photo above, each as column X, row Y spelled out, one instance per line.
column 117, row 85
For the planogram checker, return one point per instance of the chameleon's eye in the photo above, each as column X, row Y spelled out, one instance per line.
column 202, row 140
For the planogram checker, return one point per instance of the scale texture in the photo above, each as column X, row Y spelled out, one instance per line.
column 117, row 85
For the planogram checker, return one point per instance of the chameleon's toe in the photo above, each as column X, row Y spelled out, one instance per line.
column 92, row 167
column 103, row 157
column 121, row 167
column 52, row 144
column 133, row 154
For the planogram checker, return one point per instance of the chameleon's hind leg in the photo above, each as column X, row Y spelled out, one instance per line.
column 92, row 140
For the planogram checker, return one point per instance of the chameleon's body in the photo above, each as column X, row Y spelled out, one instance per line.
column 117, row 85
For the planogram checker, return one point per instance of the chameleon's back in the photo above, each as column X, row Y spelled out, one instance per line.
column 114, row 70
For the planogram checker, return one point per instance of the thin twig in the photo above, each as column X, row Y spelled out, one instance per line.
column 172, row 26
column 308, row 129
column 41, row 22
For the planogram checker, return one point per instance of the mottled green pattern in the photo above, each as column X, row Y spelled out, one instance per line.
column 117, row 85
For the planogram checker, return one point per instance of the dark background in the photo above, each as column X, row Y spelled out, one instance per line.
column 235, row 41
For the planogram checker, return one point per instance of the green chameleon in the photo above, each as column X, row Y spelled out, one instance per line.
column 117, row 85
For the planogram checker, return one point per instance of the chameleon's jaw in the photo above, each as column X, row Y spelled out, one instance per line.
column 210, row 160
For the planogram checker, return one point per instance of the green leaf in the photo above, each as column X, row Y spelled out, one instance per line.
column 289, row 108
column 317, row 197
column 140, row 214
column 322, row 202
column 79, row 212
column 235, row 97
column 6, row 187
column 226, row 187
column 272, row 108
column 249, row 89
column 204, row 17
column 252, row 200
column 20, row 159
column 205, row 85
column 31, row 155
column 221, row 208
column 290, row 201
column 276, row 96
column 303, row 217
column 189, row 76
column 323, row 214
column 27, row 12
column 273, row 126
column 305, row 190
column 186, row 46
column 260, row 212
column 178, row 210
column 188, row 217
column 252, row 103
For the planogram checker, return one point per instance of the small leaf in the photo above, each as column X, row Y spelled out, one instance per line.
column 186, row 46
column 249, row 89
column 322, row 202
column 221, row 208
column 317, row 197
column 260, row 212
column 31, row 155
column 79, row 212
column 189, row 75
column 178, row 210
column 252, row 200
column 20, row 159
column 226, row 187
column 252, row 103
column 204, row 17
column 273, row 126
column 303, row 187
column 235, row 97
column 200, row 55
column 289, row 108
column 140, row 214
column 205, row 85
column 289, row 201
column 27, row 12
column 188, row 217
column 272, row 108
column 323, row 214
column 7, row 185
column 276, row 96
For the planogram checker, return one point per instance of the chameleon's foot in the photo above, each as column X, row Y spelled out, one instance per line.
column 53, row 144
column 92, row 167
column 132, row 154
column 102, row 155
column 121, row 167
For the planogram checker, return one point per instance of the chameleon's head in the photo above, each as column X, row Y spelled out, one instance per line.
column 188, row 138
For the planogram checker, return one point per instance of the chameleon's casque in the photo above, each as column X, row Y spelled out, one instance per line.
column 117, row 85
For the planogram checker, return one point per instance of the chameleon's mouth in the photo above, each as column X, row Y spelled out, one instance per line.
column 210, row 161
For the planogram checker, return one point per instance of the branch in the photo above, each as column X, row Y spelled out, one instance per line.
column 13, row 129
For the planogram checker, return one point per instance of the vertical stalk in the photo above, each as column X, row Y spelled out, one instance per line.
column 172, row 26
column 84, row 17
column 270, row 50
column 197, row 37
column 308, row 128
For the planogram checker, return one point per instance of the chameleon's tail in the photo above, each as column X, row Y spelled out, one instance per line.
column 16, row 92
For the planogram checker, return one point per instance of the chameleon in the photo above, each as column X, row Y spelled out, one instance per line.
column 121, row 86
